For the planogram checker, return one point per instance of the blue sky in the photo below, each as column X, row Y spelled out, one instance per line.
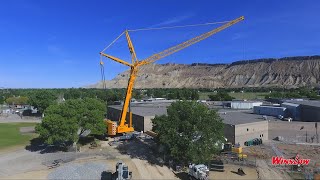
column 47, row 44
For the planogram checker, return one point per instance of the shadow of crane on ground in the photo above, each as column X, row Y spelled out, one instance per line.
column 141, row 149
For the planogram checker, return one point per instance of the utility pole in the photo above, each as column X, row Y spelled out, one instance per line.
column 316, row 126
column 306, row 136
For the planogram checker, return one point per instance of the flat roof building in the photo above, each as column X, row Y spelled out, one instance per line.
column 240, row 126
column 244, row 104
column 309, row 110
column 142, row 113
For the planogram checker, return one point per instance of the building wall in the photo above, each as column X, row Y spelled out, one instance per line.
column 138, row 122
column 249, row 131
column 244, row 104
column 290, row 131
column 310, row 113
column 148, row 123
column 269, row 110
column 293, row 111
column 229, row 133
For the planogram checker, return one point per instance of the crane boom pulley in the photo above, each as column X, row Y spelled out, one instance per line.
column 122, row 126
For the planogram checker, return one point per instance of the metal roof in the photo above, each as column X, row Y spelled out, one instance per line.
column 230, row 116
column 290, row 104
column 146, row 109
column 305, row 102
column 241, row 117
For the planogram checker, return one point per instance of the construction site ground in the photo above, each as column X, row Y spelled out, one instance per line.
column 21, row 162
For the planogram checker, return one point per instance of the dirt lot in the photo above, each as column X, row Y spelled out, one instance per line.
column 23, row 163
column 230, row 172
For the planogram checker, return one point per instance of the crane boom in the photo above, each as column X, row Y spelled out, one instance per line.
column 188, row 43
column 122, row 127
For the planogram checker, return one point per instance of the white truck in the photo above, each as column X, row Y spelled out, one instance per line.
column 199, row 172
column 122, row 172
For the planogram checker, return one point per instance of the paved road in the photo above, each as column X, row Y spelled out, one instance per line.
column 15, row 118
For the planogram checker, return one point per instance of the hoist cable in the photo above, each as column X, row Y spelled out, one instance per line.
column 171, row 27
column 113, row 42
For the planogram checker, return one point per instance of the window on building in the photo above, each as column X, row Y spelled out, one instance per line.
column 247, row 129
column 262, row 135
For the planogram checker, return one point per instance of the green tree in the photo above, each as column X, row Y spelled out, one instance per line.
column 190, row 132
column 220, row 96
column 41, row 99
column 56, row 127
column 194, row 95
column 1, row 99
column 17, row 100
column 69, row 120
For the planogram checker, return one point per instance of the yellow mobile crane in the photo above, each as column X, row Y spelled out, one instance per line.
column 124, row 126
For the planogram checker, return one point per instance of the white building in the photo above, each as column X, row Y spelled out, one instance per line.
column 244, row 104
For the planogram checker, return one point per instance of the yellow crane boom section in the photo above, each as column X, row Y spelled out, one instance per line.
column 122, row 126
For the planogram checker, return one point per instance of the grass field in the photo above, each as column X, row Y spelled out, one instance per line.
column 11, row 136
column 237, row 95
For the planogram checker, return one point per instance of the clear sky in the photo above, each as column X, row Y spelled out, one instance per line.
column 57, row 43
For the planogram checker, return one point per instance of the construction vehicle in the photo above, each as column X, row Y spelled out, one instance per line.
column 234, row 151
column 123, row 125
column 199, row 172
column 122, row 172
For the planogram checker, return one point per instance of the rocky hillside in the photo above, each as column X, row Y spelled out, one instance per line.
column 285, row 72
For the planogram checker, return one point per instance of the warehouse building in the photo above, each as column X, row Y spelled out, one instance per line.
column 244, row 104
column 307, row 110
column 292, row 110
column 244, row 126
column 269, row 110
column 142, row 113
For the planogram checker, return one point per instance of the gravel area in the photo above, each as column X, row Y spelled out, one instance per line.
column 90, row 170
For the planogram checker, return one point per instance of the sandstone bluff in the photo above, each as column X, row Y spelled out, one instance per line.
column 284, row 72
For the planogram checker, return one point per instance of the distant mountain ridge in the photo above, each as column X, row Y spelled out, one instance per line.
column 283, row 72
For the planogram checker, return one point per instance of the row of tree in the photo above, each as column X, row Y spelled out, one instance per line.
column 182, row 94
column 32, row 96
column 221, row 96
column 42, row 98
column 298, row 93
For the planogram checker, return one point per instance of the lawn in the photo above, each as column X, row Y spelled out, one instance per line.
column 11, row 136
column 237, row 95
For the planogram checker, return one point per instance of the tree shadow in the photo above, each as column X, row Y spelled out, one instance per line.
column 38, row 144
column 106, row 175
column 145, row 150
column 182, row 175
column 85, row 140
